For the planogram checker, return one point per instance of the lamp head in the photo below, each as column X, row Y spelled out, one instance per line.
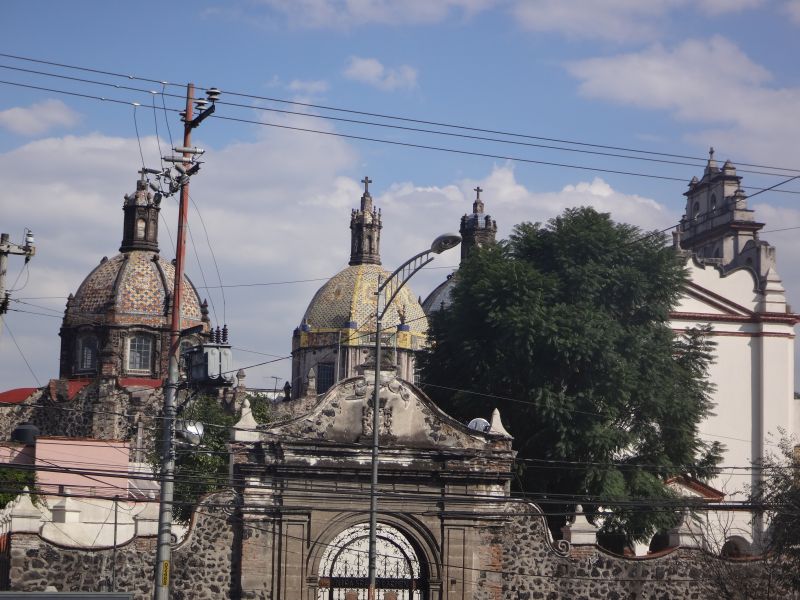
column 445, row 242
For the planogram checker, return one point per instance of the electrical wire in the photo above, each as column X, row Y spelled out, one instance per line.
column 21, row 353
column 398, row 143
column 363, row 113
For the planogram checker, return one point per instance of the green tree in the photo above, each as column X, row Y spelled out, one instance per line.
column 564, row 327
column 12, row 481
column 203, row 469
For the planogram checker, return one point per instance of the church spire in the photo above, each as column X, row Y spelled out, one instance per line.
column 365, row 231
column 476, row 229
column 140, row 226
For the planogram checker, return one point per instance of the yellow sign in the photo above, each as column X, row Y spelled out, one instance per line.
column 165, row 573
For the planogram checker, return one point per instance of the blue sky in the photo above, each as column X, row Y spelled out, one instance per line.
column 671, row 76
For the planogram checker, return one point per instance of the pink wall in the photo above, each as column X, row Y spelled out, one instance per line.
column 16, row 454
column 69, row 458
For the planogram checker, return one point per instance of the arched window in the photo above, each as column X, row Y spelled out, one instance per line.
column 86, row 355
column 140, row 352
column 696, row 210
column 141, row 225
column 344, row 568
column 713, row 201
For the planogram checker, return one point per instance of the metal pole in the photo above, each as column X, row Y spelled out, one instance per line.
column 163, row 549
column 373, row 495
column 3, row 270
column 114, row 553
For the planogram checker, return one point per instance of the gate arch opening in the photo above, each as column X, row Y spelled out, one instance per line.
column 344, row 568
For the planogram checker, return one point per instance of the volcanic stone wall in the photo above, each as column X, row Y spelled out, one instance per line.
column 204, row 565
column 527, row 566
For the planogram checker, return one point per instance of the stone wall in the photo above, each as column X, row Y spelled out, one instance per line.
column 205, row 563
column 99, row 410
column 534, row 568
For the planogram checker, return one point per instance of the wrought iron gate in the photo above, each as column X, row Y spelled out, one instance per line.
column 344, row 569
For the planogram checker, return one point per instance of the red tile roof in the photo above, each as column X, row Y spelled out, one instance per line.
column 139, row 382
column 16, row 395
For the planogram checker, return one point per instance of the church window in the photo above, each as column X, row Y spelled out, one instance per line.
column 325, row 375
column 87, row 353
column 140, row 352
column 141, row 225
column 713, row 202
column 696, row 210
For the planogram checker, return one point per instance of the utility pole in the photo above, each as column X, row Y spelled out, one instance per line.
column 6, row 248
column 164, row 544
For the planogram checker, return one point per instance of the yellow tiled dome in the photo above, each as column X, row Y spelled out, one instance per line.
column 349, row 297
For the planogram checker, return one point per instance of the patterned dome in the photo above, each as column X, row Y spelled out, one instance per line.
column 349, row 297
column 131, row 288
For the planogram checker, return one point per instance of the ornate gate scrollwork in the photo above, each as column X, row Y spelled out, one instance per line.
column 344, row 568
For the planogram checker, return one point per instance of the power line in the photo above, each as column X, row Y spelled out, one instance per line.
column 363, row 113
column 21, row 353
column 398, row 143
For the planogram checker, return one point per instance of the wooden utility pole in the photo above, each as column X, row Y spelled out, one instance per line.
column 164, row 544
column 6, row 248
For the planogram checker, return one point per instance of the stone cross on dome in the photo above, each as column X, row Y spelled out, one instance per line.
column 366, row 198
column 477, row 206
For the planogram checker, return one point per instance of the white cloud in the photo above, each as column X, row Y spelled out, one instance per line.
column 38, row 118
column 614, row 20
column 372, row 72
column 324, row 14
column 711, row 83
column 317, row 86
column 270, row 218
column 792, row 8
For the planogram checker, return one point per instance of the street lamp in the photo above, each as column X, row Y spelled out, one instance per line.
column 387, row 291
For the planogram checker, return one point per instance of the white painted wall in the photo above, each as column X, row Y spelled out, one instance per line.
column 753, row 374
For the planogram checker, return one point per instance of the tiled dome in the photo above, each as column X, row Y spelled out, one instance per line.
column 349, row 297
column 131, row 288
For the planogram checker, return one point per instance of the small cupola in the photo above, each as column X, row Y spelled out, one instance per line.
column 477, row 229
column 140, row 228
column 365, row 231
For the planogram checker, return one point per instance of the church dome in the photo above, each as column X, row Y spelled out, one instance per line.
column 132, row 288
column 118, row 322
column 441, row 296
column 347, row 300
column 337, row 335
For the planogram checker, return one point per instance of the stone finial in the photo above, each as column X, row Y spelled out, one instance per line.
column 686, row 535
column 240, row 377
column 66, row 510
column 711, row 165
column 246, row 428
column 25, row 517
column 311, row 382
column 580, row 530
column 477, row 206
column 496, row 425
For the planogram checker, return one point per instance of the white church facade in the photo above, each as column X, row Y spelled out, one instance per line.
column 734, row 288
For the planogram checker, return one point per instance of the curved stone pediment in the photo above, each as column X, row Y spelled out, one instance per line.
column 408, row 419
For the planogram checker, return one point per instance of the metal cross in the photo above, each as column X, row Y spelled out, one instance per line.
column 478, row 191
column 366, row 181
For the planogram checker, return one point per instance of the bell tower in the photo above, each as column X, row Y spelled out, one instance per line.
column 365, row 228
column 140, row 225
column 477, row 229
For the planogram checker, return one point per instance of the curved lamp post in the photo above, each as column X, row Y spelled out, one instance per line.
column 386, row 293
